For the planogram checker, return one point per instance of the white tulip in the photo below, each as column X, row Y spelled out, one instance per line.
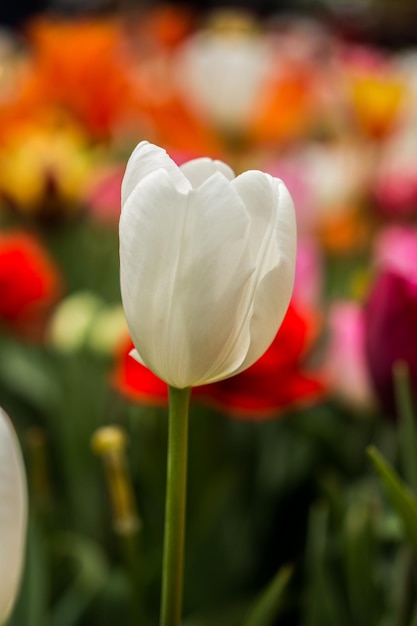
column 223, row 76
column 207, row 264
column 13, row 515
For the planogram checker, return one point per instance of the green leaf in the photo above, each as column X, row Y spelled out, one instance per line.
column 400, row 496
column 324, row 602
column 269, row 603
column 23, row 372
column 359, row 560
column 31, row 607
column 407, row 425
column 92, row 572
column 230, row 616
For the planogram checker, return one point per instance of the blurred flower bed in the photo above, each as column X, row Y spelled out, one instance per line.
column 278, row 470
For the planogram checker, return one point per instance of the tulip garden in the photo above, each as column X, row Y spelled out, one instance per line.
column 213, row 211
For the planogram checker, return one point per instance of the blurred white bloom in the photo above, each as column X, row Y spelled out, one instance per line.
column 108, row 330
column 13, row 516
column 72, row 320
column 394, row 182
column 406, row 65
column 337, row 175
column 207, row 264
column 222, row 73
column 84, row 320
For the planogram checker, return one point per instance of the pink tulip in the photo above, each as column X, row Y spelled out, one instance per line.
column 345, row 364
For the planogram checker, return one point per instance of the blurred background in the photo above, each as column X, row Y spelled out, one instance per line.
column 305, row 466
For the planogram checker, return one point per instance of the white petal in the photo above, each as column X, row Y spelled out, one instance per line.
column 199, row 170
column 260, row 194
column 183, row 293
column 135, row 355
column 275, row 262
column 149, row 223
column 13, row 515
column 147, row 158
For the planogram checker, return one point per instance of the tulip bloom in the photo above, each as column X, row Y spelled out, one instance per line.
column 396, row 248
column 391, row 313
column 69, row 53
column 207, row 265
column 222, row 71
column 376, row 91
column 13, row 515
column 44, row 169
column 345, row 364
column 394, row 183
column 391, row 318
column 30, row 282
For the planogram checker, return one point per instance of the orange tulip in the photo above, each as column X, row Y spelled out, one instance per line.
column 79, row 65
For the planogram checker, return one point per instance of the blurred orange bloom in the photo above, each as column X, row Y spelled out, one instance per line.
column 167, row 25
column 114, row 80
column 20, row 97
column 79, row 65
column 176, row 128
column 347, row 231
column 284, row 107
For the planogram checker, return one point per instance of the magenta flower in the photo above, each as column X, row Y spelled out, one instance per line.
column 391, row 313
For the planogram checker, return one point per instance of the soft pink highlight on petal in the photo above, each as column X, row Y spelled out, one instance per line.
column 291, row 171
column 345, row 362
column 395, row 191
column 308, row 287
column 396, row 250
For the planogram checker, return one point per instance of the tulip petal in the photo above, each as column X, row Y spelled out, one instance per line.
column 273, row 243
column 136, row 356
column 199, row 170
column 147, row 158
column 186, row 289
column 13, row 515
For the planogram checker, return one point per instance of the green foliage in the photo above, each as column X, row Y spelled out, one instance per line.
column 287, row 523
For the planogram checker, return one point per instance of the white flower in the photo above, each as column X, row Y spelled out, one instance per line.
column 13, row 515
column 336, row 175
column 207, row 264
column 223, row 75
column 72, row 321
column 83, row 320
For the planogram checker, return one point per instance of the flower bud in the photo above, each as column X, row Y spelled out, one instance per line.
column 207, row 265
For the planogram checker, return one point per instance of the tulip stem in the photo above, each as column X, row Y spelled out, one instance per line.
column 173, row 559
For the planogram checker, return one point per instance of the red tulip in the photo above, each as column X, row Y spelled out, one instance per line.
column 277, row 381
column 29, row 283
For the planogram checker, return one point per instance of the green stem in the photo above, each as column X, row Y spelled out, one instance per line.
column 407, row 590
column 173, row 560
column 131, row 553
